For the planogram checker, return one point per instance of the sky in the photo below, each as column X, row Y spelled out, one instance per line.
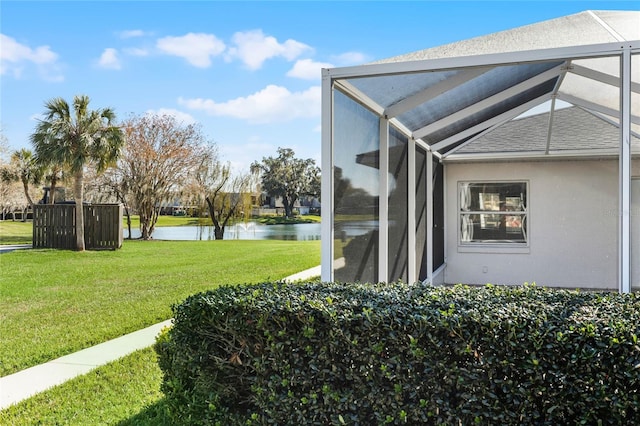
column 248, row 72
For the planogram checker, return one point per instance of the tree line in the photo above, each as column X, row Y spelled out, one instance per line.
column 144, row 162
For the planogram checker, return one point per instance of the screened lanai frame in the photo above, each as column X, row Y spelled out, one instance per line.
column 367, row 85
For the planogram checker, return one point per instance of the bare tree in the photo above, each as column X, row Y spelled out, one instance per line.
column 159, row 158
column 226, row 196
column 110, row 187
column 11, row 194
column 11, row 191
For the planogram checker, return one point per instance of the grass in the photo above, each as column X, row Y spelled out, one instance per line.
column 283, row 220
column 15, row 232
column 55, row 302
column 168, row 221
column 125, row 392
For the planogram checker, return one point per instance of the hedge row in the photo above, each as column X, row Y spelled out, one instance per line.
column 361, row 354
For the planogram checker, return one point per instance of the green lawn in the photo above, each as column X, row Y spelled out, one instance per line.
column 15, row 232
column 55, row 302
column 168, row 221
column 125, row 392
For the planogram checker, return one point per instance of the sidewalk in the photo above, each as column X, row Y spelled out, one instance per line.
column 26, row 383
column 8, row 248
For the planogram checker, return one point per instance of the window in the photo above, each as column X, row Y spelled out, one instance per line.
column 493, row 213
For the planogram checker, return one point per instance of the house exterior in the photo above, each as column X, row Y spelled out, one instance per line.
column 509, row 158
column 561, row 215
column 274, row 205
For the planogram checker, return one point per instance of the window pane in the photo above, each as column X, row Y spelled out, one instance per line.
column 493, row 212
column 356, row 159
column 485, row 227
column 479, row 197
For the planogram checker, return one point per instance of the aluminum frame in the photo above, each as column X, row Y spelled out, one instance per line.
column 336, row 79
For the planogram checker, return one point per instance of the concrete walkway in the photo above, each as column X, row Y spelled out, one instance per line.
column 12, row 247
column 26, row 383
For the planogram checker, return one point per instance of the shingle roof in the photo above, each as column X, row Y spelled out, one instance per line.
column 573, row 129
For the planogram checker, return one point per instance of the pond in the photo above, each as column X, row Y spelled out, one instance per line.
column 240, row 231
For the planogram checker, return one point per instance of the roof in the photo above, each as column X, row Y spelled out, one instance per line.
column 573, row 129
column 447, row 96
column 584, row 28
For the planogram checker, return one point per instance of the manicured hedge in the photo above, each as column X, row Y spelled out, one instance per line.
column 361, row 354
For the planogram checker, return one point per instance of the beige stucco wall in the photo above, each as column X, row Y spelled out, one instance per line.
column 572, row 225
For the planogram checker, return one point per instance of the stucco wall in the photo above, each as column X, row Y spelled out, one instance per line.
column 572, row 225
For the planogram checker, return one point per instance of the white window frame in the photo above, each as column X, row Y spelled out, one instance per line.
column 498, row 245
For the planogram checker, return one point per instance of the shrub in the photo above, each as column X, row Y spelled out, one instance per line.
column 362, row 354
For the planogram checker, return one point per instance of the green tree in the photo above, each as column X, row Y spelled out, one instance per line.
column 74, row 139
column 288, row 177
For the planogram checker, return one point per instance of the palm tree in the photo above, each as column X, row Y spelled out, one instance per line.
column 27, row 170
column 74, row 139
column 52, row 172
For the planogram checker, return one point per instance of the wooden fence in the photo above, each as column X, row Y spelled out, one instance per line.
column 54, row 226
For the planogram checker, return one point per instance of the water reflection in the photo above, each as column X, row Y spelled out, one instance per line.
column 240, row 231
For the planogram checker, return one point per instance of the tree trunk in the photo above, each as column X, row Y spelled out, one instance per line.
column 148, row 219
column 144, row 228
column 288, row 205
column 52, row 189
column 155, row 212
column 78, row 195
column 126, row 212
column 25, row 187
column 218, row 232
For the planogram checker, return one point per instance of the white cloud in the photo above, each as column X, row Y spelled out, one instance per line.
column 196, row 48
column 136, row 51
column 181, row 117
column 109, row 59
column 243, row 154
column 254, row 47
column 271, row 104
column 351, row 58
column 131, row 33
column 14, row 57
column 308, row 69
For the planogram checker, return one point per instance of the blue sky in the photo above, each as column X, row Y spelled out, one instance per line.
column 248, row 72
